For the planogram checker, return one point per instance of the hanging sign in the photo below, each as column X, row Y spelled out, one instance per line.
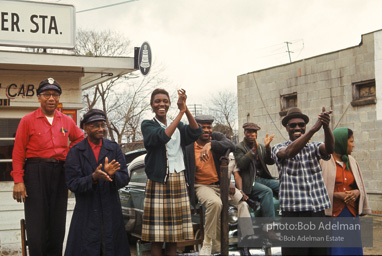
column 145, row 58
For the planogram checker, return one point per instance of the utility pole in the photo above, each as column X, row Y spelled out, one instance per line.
column 287, row 43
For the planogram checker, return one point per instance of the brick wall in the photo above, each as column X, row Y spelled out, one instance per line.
column 324, row 80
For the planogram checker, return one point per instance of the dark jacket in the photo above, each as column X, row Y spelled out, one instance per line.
column 155, row 140
column 98, row 209
column 219, row 146
column 245, row 162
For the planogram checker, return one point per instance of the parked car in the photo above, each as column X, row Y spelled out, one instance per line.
column 132, row 197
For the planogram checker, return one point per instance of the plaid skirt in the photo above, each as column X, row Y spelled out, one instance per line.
column 167, row 212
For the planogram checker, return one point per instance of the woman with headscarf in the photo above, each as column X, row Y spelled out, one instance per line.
column 345, row 186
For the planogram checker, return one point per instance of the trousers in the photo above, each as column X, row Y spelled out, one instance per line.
column 45, row 207
column 264, row 190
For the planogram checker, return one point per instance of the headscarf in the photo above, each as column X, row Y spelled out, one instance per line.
column 341, row 144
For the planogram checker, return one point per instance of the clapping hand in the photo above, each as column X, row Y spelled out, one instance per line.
column 111, row 167
column 182, row 97
column 98, row 174
column 268, row 140
column 324, row 117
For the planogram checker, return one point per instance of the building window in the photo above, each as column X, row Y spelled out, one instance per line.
column 364, row 93
column 8, row 129
column 287, row 101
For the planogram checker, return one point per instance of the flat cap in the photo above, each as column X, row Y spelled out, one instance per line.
column 49, row 84
column 251, row 126
column 294, row 113
column 204, row 119
column 91, row 116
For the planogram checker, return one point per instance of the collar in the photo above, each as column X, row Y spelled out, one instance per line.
column 39, row 113
column 92, row 145
column 162, row 124
column 106, row 144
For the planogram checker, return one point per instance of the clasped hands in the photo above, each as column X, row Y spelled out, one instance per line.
column 348, row 196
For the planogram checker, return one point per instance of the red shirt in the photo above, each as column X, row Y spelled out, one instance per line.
column 96, row 148
column 36, row 137
column 344, row 182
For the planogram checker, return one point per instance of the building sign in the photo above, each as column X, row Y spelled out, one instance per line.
column 145, row 58
column 37, row 24
column 14, row 90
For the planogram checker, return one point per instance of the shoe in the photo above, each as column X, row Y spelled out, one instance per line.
column 271, row 235
column 206, row 250
column 244, row 251
column 253, row 204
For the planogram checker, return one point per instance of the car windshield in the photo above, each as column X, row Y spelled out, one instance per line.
column 138, row 175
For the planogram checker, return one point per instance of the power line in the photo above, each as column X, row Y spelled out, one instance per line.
column 265, row 107
column 105, row 6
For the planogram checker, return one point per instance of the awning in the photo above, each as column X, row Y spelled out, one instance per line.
column 93, row 70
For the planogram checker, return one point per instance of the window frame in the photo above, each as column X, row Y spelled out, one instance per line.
column 359, row 100
column 284, row 102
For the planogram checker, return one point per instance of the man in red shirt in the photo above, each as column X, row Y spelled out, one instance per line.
column 39, row 154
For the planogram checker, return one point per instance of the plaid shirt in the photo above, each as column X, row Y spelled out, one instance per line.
column 302, row 187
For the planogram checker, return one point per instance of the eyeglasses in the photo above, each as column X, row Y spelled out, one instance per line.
column 293, row 125
column 47, row 96
column 97, row 126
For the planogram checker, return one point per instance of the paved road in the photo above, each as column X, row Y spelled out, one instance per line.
column 375, row 250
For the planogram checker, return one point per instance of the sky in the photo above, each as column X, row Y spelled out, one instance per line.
column 205, row 44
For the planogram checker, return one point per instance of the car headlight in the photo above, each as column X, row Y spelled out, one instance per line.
column 232, row 215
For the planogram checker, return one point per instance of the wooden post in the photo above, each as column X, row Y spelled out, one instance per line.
column 224, row 187
column 23, row 238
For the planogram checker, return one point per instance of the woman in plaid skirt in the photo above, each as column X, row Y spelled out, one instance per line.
column 167, row 214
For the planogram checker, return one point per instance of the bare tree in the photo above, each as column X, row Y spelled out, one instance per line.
column 101, row 43
column 224, row 109
column 124, row 100
column 131, row 104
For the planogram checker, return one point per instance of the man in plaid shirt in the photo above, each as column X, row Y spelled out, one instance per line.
column 302, row 189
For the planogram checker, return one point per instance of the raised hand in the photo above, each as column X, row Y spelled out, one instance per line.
column 182, row 97
column 324, row 117
column 268, row 140
column 111, row 167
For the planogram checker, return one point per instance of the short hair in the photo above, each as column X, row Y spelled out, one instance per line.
column 159, row 91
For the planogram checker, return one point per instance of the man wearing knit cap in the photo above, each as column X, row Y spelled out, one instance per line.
column 95, row 171
column 302, row 188
column 252, row 159
column 39, row 154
